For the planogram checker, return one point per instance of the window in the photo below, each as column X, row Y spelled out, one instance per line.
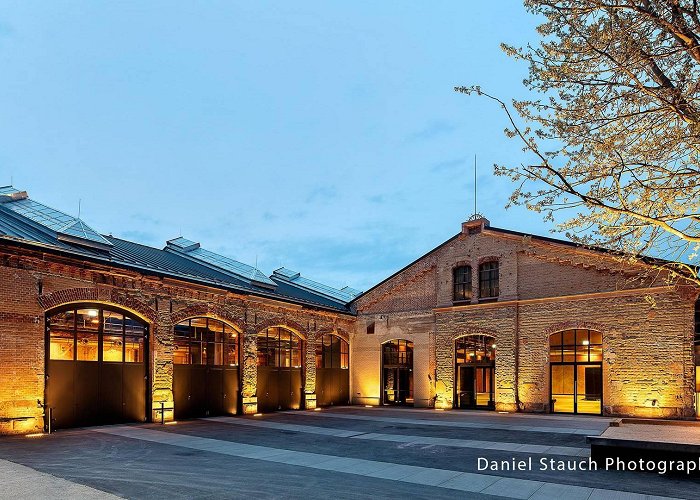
column 370, row 328
column 462, row 283
column 332, row 352
column 398, row 353
column 488, row 280
column 475, row 349
column 581, row 346
column 96, row 334
column 279, row 347
column 203, row 341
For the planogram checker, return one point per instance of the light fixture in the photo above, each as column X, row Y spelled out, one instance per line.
column 369, row 406
column 172, row 422
column 35, row 435
column 493, row 346
column 318, row 409
column 585, row 342
column 257, row 415
column 92, row 313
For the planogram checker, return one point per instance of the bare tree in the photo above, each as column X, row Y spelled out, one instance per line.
column 615, row 125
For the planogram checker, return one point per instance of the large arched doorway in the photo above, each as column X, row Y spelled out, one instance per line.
column 475, row 363
column 397, row 372
column 280, row 380
column 332, row 371
column 205, row 368
column 96, row 366
column 576, row 371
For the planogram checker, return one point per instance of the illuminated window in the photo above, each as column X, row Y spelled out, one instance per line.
column 488, row 280
column 205, row 341
column 398, row 353
column 332, row 352
column 475, row 349
column 96, row 334
column 462, row 283
column 279, row 347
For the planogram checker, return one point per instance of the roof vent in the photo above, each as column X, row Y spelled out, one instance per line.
column 183, row 244
column 15, row 196
column 475, row 224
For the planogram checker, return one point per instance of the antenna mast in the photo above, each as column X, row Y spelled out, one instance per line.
column 475, row 191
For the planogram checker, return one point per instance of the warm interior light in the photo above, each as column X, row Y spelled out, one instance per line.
column 35, row 435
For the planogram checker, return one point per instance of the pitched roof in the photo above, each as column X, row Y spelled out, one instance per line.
column 27, row 222
column 488, row 228
column 54, row 222
column 295, row 281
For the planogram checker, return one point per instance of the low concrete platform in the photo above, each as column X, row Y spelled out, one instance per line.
column 649, row 445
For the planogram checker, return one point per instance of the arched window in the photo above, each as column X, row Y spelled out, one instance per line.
column 279, row 347
column 332, row 352
column 475, row 349
column 462, row 283
column 96, row 333
column 398, row 353
column 205, row 341
column 488, row 280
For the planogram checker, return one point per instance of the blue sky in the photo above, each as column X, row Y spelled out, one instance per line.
column 321, row 136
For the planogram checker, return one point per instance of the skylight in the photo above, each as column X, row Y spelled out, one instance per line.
column 195, row 252
column 63, row 226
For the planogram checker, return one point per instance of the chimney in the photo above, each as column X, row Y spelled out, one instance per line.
column 475, row 224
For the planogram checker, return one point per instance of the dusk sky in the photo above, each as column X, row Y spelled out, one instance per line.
column 321, row 136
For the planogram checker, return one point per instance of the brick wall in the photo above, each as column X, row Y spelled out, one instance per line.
column 544, row 288
column 162, row 303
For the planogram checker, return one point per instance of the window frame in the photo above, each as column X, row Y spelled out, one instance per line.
column 462, row 288
column 491, row 283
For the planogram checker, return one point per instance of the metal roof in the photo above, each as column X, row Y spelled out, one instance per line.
column 182, row 259
column 64, row 226
column 193, row 251
column 295, row 279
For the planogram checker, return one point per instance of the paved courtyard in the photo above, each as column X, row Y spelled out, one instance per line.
column 351, row 452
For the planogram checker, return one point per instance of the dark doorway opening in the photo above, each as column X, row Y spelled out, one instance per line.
column 397, row 372
column 475, row 365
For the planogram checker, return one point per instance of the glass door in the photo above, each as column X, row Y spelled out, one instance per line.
column 563, row 389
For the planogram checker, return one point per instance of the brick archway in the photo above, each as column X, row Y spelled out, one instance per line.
column 208, row 311
column 333, row 331
column 574, row 324
column 105, row 296
column 283, row 323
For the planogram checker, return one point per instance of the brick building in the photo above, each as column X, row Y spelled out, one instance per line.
column 96, row 329
column 101, row 330
column 496, row 319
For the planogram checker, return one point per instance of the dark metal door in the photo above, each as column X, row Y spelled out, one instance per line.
column 92, row 377
column 332, row 386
